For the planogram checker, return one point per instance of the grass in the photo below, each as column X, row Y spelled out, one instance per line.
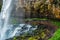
column 55, row 22
column 56, row 35
column 30, row 19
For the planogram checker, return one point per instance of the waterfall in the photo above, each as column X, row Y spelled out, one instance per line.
column 7, row 30
column 5, row 14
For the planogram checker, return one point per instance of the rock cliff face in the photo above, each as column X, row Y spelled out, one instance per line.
column 0, row 1
column 18, row 12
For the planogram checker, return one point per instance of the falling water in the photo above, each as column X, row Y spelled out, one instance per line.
column 5, row 14
column 7, row 30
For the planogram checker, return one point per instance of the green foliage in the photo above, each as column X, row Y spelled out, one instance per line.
column 56, row 35
column 14, row 38
column 43, row 35
column 32, row 38
column 14, row 21
column 37, row 19
column 40, row 33
column 57, row 23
